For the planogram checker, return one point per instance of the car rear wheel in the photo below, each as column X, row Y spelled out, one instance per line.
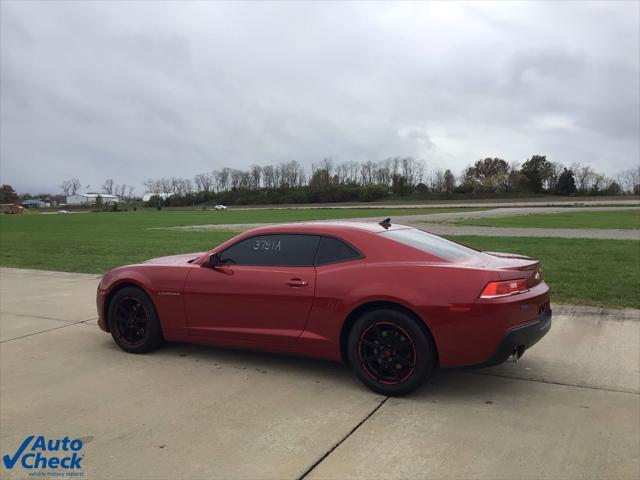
column 390, row 352
column 133, row 321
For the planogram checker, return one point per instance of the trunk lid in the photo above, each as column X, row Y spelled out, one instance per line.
column 509, row 266
column 512, row 261
column 512, row 266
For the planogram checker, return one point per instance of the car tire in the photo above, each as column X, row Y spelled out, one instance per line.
column 133, row 321
column 390, row 352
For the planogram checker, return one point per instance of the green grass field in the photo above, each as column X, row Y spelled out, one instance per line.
column 97, row 242
column 581, row 271
column 622, row 219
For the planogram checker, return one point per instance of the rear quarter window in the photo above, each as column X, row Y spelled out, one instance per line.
column 332, row 250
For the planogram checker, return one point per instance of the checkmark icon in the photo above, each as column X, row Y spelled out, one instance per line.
column 10, row 462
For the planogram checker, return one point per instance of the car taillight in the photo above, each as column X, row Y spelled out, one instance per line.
column 504, row 288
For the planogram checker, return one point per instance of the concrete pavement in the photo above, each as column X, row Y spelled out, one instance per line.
column 569, row 409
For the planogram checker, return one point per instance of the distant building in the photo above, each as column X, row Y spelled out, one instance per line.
column 91, row 199
column 35, row 203
column 148, row 196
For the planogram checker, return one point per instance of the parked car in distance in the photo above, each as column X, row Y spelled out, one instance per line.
column 392, row 301
column 220, row 207
column 11, row 209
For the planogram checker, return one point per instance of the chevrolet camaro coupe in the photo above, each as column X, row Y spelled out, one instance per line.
column 392, row 301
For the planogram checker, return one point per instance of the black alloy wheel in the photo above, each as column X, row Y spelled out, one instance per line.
column 133, row 321
column 387, row 353
column 390, row 351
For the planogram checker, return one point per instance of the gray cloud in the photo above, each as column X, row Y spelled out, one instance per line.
column 143, row 89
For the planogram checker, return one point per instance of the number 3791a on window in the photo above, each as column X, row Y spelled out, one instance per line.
column 272, row 245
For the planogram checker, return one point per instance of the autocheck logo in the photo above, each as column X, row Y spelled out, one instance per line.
column 38, row 453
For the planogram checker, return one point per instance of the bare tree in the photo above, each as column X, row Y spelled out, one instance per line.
column 291, row 174
column 277, row 176
column 107, row 186
column 152, row 186
column 187, row 185
column 327, row 164
column 394, row 164
column 120, row 190
column 256, row 176
column 411, row 169
column 382, row 173
column 599, row 182
column 630, row 181
column 341, row 173
column 204, row 182
column 74, row 185
column 584, row 176
column 551, row 182
column 215, row 181
column 322, row 173
column 437, row 181
column 65, row 186
column 366, row 173
column 176, row 186
column 268, row 176
column 222, row 179
column 235, row 178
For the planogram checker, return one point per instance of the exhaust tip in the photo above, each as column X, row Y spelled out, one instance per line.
column 517, row 353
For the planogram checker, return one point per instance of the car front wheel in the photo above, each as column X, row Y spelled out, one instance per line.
column 390, row 352
column 133, row 321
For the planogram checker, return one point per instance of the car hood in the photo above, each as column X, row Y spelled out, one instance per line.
column 176, row 259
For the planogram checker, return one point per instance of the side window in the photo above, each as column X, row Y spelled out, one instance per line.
column 333, row 250
column 273, row 250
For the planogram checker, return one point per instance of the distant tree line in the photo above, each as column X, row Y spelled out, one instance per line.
column 539, row 176
column 328, row 181
column 110, row 187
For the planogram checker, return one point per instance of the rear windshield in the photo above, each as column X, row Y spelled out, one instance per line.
column 432, row 244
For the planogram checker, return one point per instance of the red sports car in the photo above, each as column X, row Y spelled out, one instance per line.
column 392, row 301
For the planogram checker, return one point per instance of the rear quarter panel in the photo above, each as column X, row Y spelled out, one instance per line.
column 427, row 289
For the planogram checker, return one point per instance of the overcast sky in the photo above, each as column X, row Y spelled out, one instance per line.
column 136, row 90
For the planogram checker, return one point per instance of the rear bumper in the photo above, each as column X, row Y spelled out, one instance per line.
column 520, row 338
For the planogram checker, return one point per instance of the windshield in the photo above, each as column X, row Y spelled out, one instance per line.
column 432, row 244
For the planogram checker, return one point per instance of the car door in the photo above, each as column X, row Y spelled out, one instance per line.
column 261, row 290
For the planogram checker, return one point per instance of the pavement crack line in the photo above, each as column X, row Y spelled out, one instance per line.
column 45, row 331
column 550, row 382
column 42, row 317
column 341, row 441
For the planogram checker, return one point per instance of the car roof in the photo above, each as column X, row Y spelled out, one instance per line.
column 327, row 227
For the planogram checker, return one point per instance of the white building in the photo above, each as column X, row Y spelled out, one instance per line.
column 91, row 198
column 148, row 196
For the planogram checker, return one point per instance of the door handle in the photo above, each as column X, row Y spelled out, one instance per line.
column 296, row 282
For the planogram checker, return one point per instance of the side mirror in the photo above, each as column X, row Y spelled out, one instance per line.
column 215, row 263
column 214, row 260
